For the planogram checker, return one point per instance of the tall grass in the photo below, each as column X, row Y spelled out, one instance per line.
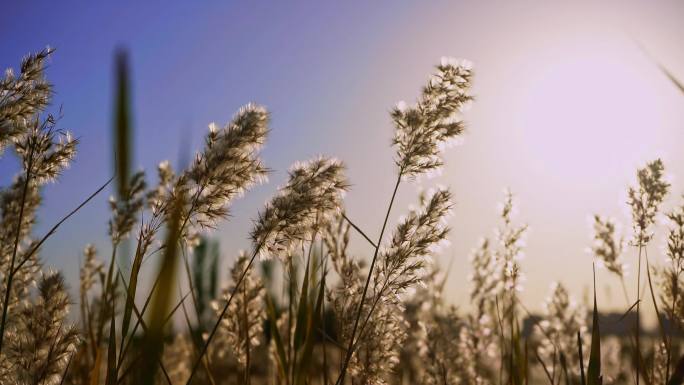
column 338, row 318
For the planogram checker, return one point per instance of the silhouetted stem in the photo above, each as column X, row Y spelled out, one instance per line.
column 350, row 350
column 12, row 271
column 197, row 362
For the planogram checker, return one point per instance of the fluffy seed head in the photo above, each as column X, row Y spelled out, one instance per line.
column 126, row 209
column 309, row 200
column 403, row 263
column 607, row 246
column 241, row 327
column 645, row 200
column 23, row 97
column 422, row 130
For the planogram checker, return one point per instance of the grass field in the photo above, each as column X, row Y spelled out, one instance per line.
column 298, row 308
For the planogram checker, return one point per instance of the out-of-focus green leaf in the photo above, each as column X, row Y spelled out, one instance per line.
column 594, row 369
column 281, row 357
column 111, row 353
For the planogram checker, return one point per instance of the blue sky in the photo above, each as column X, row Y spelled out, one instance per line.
column 191, row 65
column 567, row 105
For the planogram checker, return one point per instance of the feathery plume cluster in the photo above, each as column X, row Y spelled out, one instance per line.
column 558, row 330
column 511, row 240
column 311, row 197
column 484, row 283
column 345, row 297
column 660, row 362
column 401, row 267
column 44, row 151
column 384, row 330
column 92, row 268
column 403, row 262
column 177, row 359
column 39, row 344
column 228, row 166
column 382, row 338
column 448, row 350
column 645, row 199
column 36, row 339
column 424, row 129
column 392, row 315
column 671, row 285
column 241, row 327
column 675, row 238
column 125, row 209
column 12, row 220
column 483, row 296
column 23, row 97
column 607, row 246
column 440, row 350
column 336, row 240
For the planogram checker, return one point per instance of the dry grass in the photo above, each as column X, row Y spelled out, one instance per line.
column 342, row 319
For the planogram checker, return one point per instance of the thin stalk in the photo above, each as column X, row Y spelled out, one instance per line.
column 10, row 276
column 195, row 366
column 246, row 321
column 666, row 342
column 638, row 323
column 672, row 320
column 56, row 226
column 350, row 351
column 359, row 230
column 325, row 353
column 290, row 350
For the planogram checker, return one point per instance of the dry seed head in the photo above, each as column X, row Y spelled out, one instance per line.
column 645, row 200
column 92, row 268
column 242, row 325
column 402, row 263
column 423, row 130
column 47, row 151
column 670, row 276
column 40, row 341
column 177, row 359
column 309, row 200
column 558, row 330
column 126, row 209
column 229, row 164
column 484, row 282
column 674, row 248
column 607, row 245
column 382, row 340
column 23, row 97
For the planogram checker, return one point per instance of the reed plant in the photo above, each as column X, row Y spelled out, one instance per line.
column 382, row 318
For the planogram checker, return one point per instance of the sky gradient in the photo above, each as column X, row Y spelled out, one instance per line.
column 568, row 104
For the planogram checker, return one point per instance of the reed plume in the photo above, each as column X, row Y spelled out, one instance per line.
column 242, row 325
column 558, row 330
column 23, row 97
column 424, row 129
column 310, row 198
column 608, row 245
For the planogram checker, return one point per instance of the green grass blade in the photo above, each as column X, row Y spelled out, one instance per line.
column 132, row 288
column 594, row 369
column 312, row 325
column 303, row 313
column 111, row 353
column 583, row 380
column 281, row 357
column 154, row 339
column 122, row 127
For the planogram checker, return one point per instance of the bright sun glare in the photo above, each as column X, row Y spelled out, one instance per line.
column 590, row 107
